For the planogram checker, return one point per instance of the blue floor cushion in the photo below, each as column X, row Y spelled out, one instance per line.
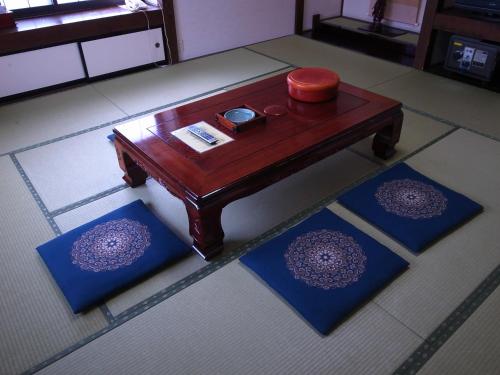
column 411, row 208
column 100, row 258
column 324, row 268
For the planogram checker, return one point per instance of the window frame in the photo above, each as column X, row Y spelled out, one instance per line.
column 55, row 8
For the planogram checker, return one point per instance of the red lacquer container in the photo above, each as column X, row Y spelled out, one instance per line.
column 313, row 84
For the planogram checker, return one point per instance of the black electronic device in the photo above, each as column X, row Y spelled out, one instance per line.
column 490, row 7
column 472, row 57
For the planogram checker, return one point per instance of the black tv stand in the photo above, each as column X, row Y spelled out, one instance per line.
column 383, row 30
column 400, row 49
column 487, row 17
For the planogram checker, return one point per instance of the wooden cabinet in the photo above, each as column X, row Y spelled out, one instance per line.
column 46, row 67
column 107, row 55
column 40, row 68
column 440, row 16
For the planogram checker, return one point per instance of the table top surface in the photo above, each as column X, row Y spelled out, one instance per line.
column 262, row 146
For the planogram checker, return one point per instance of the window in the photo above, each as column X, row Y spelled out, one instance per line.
column 40, row 7
column 19, row 4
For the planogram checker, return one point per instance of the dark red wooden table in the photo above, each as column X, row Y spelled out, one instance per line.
column 258, row 157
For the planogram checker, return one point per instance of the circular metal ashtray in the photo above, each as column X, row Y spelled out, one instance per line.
column 239, row 115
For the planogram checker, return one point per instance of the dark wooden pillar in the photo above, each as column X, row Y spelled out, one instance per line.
column 299, row 16
column 424, row 39
column 169, row 16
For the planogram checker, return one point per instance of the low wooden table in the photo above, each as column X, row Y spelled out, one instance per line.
column 258, row 157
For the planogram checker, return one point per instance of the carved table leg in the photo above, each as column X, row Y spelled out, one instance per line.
column 206, row 229
column 134, row 175
column 387, row 137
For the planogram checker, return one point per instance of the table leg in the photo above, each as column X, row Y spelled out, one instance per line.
column 386, row 138
column 134, row 175
column 206, row 229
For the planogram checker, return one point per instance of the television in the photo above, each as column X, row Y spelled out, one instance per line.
column 489, row 7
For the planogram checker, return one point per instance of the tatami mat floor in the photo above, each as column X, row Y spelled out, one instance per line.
column 59, row 171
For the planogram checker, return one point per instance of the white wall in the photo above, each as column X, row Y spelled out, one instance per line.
column 325, row 8
column 360, row 9
column 209, row 26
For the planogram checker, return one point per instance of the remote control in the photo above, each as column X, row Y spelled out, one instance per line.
column 202, row 134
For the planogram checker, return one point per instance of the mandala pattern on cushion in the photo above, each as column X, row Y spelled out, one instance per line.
column 412, row 199
column 325, row 259
column 111, row 245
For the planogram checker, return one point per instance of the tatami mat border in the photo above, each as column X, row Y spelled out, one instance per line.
column 452, row 323
column 107, row 313
column 271, row 57
column 88, row 200
column 35, row 195
column 71, row 135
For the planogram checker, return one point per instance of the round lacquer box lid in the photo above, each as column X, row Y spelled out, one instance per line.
column 313, row 84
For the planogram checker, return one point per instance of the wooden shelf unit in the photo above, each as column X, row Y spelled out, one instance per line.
column 439, row 16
